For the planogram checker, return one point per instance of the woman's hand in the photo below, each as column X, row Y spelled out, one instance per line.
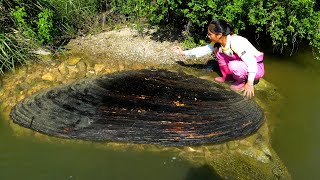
column 178, row 50
column 248, row 90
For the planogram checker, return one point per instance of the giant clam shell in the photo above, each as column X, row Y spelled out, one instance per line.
column 141, row 106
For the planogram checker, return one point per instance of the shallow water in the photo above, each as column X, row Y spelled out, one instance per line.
column 294, row 137
column 25, row 158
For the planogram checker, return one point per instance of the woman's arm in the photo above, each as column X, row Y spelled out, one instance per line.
column 246, row 51
column 250, row 60
column 197, row 52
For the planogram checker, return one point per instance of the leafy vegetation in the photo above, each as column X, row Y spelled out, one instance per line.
column 29, row 24
column 284, row 23
column 45, row 26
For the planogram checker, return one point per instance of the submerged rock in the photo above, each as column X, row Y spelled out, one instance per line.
column 142, row 106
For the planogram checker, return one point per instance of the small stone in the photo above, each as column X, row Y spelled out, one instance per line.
column 63, row 69
column 108, row 71
column 82, row 67
column 24, row 85
column 45, row 58
column 256, row 154
column 21, row 97
column 73, row 61
column 42, row 52
column 73, row 73
column 98, row 68
column 137, row 66
column 121, row 67
column 191, row 149
column 2, row 92
column 232, row 145
column 53, row 64
column 90, row 73
column 49, row 77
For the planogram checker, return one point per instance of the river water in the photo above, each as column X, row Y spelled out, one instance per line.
column 294, row 137
column 24, row 158
column 297, row 123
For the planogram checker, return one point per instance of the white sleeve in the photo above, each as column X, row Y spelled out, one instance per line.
column 199, row 51
column 251, row 62
column 245, row 51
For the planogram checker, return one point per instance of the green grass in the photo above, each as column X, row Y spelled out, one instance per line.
column 13, row 52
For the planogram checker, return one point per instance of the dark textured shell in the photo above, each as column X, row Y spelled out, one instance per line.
column 142, row 106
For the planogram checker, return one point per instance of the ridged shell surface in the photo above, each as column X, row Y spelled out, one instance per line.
column 141, row 106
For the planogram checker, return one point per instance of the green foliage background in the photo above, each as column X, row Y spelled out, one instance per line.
column 282, row 23
column 285, row 22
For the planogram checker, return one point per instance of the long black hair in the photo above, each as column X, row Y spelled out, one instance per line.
column 220, row 26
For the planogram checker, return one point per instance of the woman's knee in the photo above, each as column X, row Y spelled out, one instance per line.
column 238, row 68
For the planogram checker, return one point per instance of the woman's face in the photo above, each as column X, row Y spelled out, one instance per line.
column 214, row 37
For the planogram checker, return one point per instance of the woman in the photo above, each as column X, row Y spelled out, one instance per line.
column 238, row 59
